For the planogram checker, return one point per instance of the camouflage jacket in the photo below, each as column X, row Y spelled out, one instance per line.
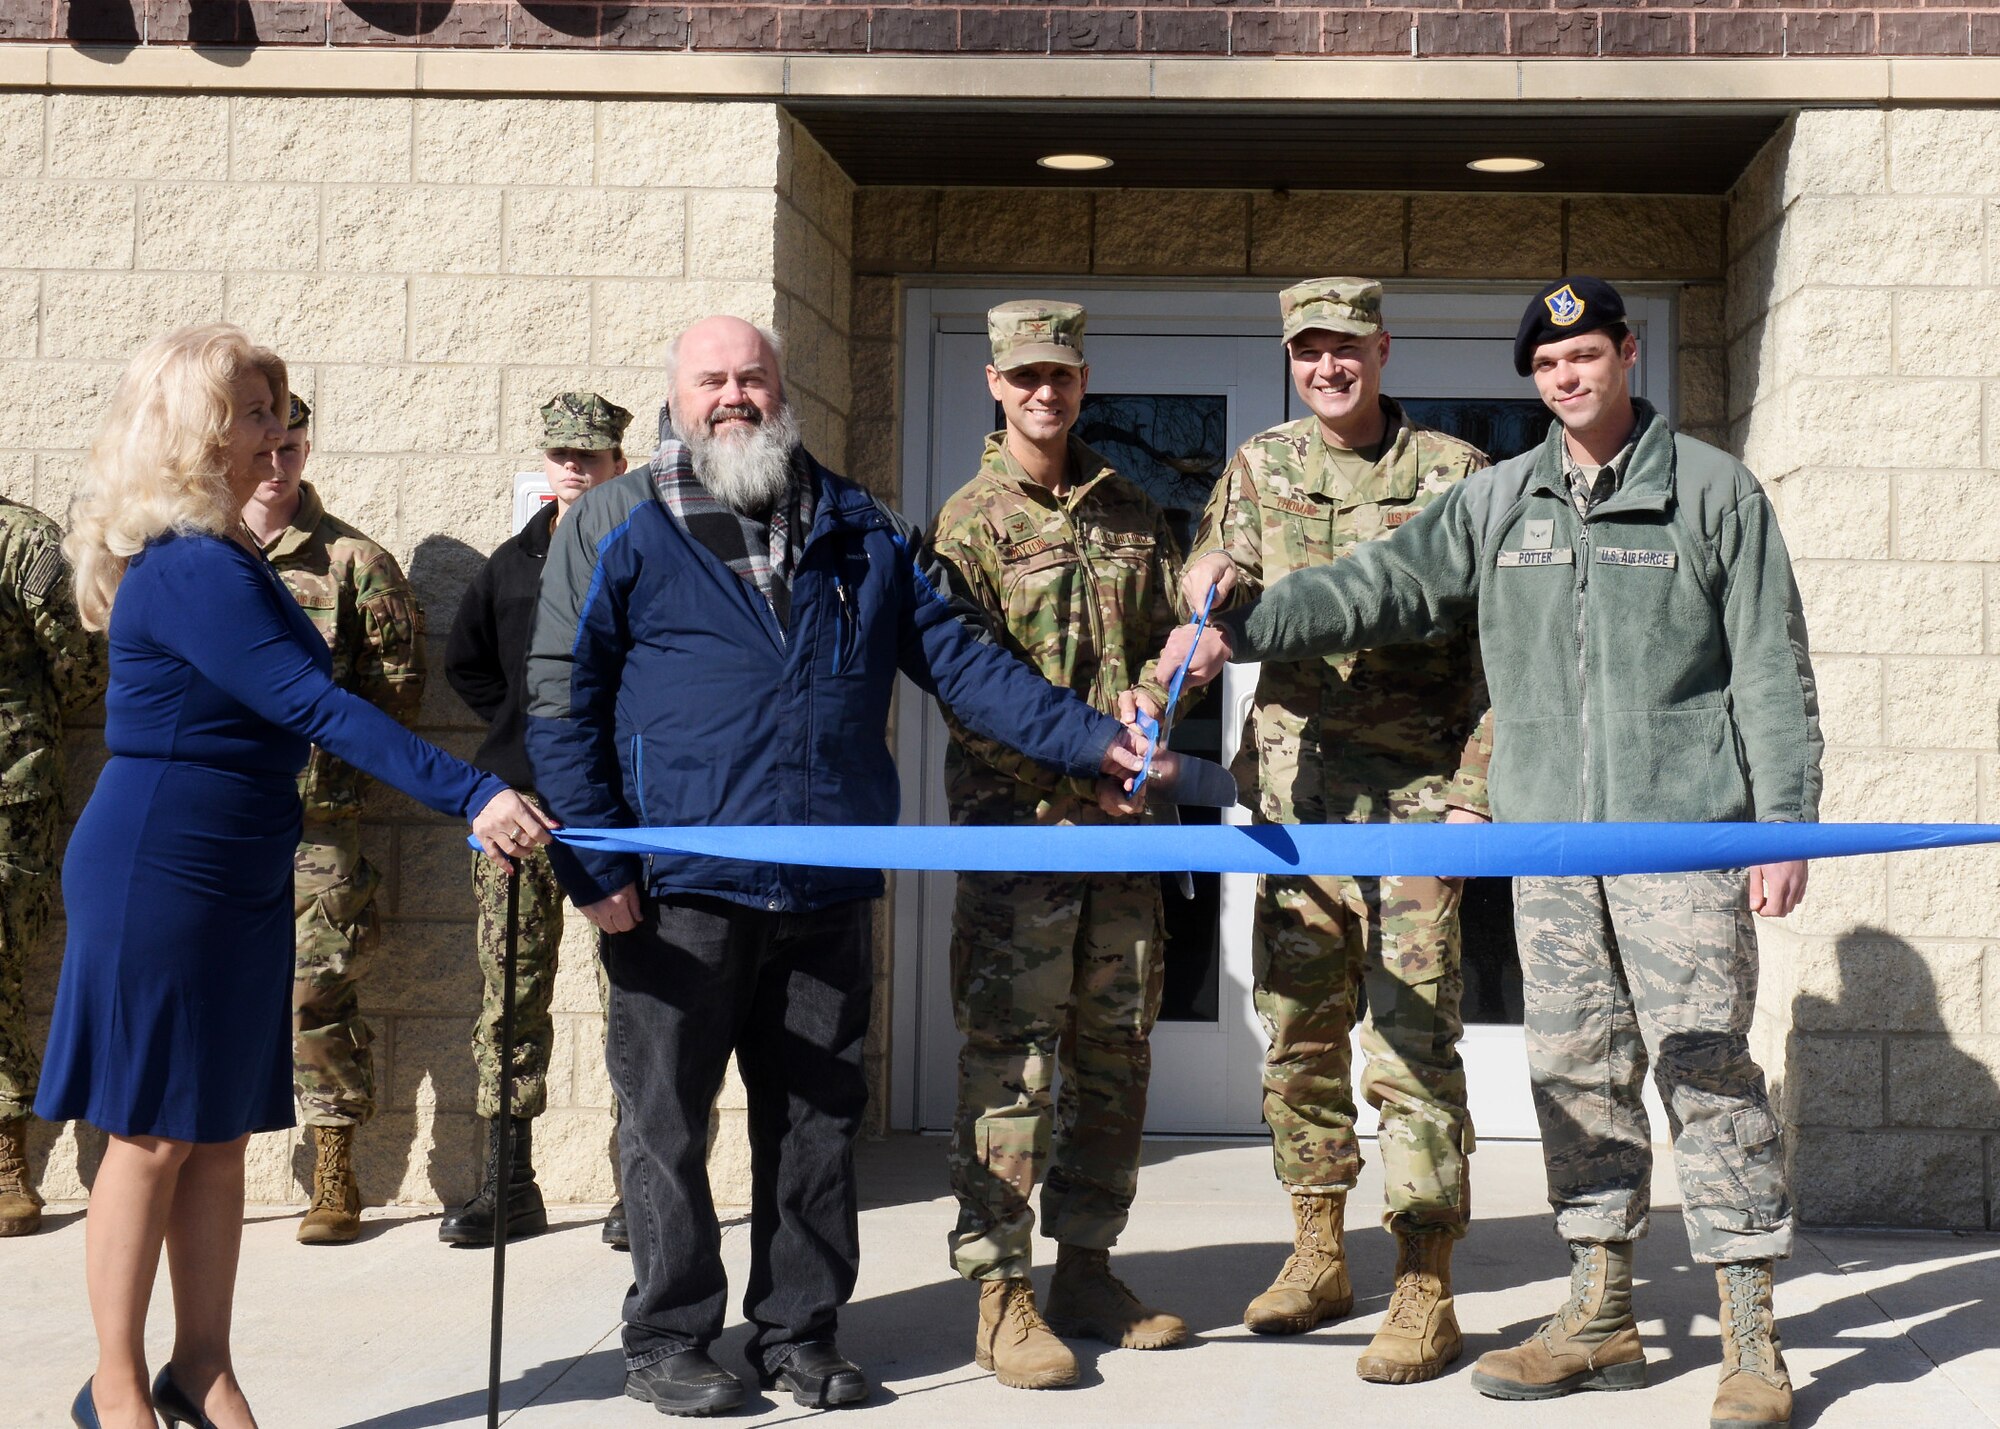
column 355, row 595
column 1084, row 587
column 50, row 666
column 1400, row 732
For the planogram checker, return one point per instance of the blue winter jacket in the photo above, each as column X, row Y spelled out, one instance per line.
column 662, row 690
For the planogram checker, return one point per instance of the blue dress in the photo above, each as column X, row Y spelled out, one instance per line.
column 174, row 1013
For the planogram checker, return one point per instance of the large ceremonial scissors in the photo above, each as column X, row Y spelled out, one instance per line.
column 1156, row 729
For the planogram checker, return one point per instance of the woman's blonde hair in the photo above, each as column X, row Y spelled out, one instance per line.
column 159, row 461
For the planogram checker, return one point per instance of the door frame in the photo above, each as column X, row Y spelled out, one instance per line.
column 1421, row 311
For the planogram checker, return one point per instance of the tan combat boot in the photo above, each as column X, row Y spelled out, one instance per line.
column 20, row 1207
column 1086, row 1301
column 1419, row 1334
column 1592, row 1343
column 1756, row 1392
column 1312, row 1286
column 1015, row 1342
column 335, row 1217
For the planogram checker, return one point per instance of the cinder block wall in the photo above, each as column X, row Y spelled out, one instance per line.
column 432, row 268
column 1863, row 303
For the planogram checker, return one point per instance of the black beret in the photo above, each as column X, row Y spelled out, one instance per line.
column 1568, row 307
column 297, row 413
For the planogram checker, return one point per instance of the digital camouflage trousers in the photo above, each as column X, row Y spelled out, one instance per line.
column 1661, row 970
column 1319, row 942
column 537, row 955
column 1047, row 972
column 27, row 889
column 335, row 934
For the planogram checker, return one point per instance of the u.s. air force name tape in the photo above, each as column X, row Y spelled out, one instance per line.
column 1357, row 850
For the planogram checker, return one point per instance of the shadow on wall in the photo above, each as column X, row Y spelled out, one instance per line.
column 1890, row 1121
column 117, row 23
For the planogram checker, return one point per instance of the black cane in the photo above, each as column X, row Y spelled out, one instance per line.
column 503, row 1137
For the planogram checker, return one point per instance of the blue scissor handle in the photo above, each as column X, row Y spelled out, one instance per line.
column 1152, row 727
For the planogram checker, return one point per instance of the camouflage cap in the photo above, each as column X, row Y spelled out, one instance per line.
column 1032, row 330
column 297, row 413
column 1350, row 305
column 584, row 422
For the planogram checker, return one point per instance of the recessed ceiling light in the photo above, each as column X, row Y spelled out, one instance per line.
column 1502, row 165
column 1074, row 163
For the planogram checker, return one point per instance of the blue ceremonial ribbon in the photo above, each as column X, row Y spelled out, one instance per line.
column 1356, row 850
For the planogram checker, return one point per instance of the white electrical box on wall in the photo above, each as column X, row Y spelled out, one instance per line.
column 531, row 494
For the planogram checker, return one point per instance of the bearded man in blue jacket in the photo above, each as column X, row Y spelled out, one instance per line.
column 717, row 642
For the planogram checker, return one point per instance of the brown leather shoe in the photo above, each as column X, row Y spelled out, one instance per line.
column 1086, row 1301
column 335, row 1217
column 1591, row 1343
column 1312, row 1286
column 20, row 1205
column 1756, row 1389
column 1015, row 1342
column 1419, row 1335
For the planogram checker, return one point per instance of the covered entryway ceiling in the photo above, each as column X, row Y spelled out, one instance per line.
column 1632, row 148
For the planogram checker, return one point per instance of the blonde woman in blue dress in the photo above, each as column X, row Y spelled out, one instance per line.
column 172, row 1024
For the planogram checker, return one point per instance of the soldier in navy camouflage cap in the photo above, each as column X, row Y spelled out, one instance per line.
column 583, row 422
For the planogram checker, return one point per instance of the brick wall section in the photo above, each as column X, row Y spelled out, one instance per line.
column 905, row 234
column 1199, row 27
column 1863, row 293
column 431, row 273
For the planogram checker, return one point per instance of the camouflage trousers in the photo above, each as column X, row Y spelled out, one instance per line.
column 27, row 887
column 1319, row 941
column 1050, row 972
column 537, row 952
column 1660, row 969
column 335, row 934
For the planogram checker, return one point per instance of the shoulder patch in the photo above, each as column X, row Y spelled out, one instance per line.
column 39, row 580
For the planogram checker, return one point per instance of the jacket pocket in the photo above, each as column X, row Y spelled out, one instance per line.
column 1676, row 765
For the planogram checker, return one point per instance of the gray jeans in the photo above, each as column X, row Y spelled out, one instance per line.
column 788, row 993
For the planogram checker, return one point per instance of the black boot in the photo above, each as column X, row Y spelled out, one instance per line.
column 472, row 1223
column 615, row 1233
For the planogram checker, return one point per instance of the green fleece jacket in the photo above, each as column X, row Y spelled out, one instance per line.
column 1646, row 663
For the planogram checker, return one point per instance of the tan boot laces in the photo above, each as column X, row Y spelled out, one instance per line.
column 327, row 1185
column 13, row 1166
column 1099, row 1263
column 1574, row 1311
column 1407, row 1305
column 1019, row 1313
column 1749, row 1331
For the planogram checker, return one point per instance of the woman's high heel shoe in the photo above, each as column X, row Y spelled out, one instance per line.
column 172, row 1402
column 83, row 1413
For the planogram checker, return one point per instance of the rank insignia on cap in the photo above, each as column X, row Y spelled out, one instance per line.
column 1565, row 307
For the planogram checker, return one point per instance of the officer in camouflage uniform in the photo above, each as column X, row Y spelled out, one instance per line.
column 1077, row 569
column 1648, row 658
column 1380, row 736
column 486, row 661
column 50, row 666
column 357, row 598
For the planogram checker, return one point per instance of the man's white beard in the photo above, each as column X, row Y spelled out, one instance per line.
column 745, row 471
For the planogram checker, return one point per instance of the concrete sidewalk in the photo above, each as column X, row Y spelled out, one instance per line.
column 1880, row 1330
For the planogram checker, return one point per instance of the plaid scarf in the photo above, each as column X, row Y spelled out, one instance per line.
column 763, row 552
